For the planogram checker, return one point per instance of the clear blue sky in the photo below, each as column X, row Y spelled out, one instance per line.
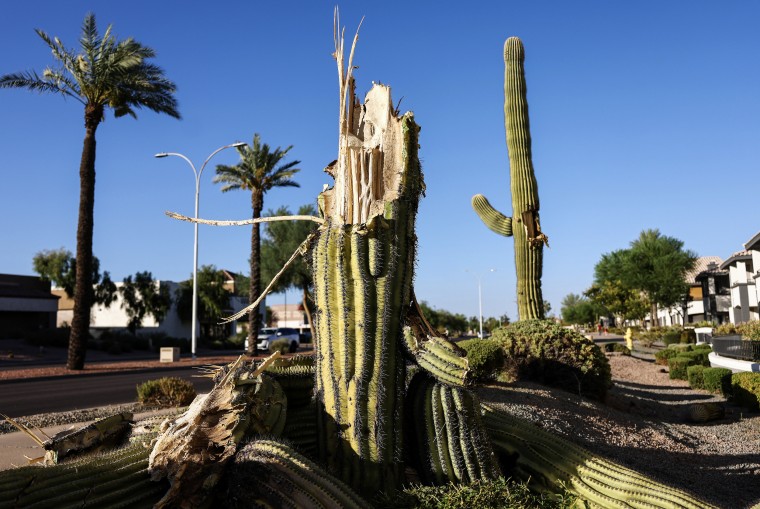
column 644, row 115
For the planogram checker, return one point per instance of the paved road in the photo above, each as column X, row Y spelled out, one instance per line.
column 19, row 398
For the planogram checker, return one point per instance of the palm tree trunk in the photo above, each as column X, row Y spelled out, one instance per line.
column 80, row 323
column 305, row 303
column 254, row 317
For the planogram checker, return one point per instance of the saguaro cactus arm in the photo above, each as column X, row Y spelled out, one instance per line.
column 495, row 220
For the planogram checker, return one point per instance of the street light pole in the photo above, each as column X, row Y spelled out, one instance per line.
column 480, row 298
column 197, row 173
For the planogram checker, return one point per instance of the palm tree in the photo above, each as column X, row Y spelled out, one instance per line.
column 258, row 171
column 106, row 73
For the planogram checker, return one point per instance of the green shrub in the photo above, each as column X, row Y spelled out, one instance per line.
column 745, row 389
column 663, row 355
column 698, row 357
column 717, row 380
column 702, row 346
column 617, row 347
column 545, row 352
column 485, row 358
column 750, row 330
column 695, row 375
column 671, row 336
column 725, row 329
column 677, row 367
column 679, row 347
column 500, row 493
column 167, row 391
column 688, row 336
column 279, row 345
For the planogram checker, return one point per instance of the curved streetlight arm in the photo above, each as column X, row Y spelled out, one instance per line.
column 195, row 228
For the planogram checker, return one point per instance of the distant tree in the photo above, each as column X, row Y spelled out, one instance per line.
column 259, row 170
column 547, row 307
column 654, row 266
column 213, row 300
column 106, row 73
column 281, row 239
column 455, row 324
column 59, row 267
column 617, row 300
column 143, row 296
column 577, row 309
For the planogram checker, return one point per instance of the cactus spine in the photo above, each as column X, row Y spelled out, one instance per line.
column 524, row 225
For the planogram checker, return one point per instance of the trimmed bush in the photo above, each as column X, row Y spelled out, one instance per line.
column 485, row 358
column 725, row 329
column 696, row 377
column 688, row 336
column 699, row 357
column 750, row 330
column 703, row 346
column 717, row 380
column 279, row 345
column 663, row 355
column 672, row 336
column 617, row 347
column 745, row 388
column 167, row 391
column 678, row 366
column 679, row 347
column 545, row 352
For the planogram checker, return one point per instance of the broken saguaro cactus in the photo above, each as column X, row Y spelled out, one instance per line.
column 524, row 225
column 362, row 263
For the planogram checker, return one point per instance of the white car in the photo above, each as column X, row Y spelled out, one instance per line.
column 267, row 335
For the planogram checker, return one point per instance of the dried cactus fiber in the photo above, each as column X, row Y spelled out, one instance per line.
column 524, row 224
column 362, row 263
column 549, row 462
column 445, row 438
column 266, row 473
column 705, row 412
column 114, row 479
column 193, row 450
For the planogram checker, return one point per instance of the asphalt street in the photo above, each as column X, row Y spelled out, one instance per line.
column 74, row 392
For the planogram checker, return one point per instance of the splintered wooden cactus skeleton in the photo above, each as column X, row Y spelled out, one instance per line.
column 524, row 225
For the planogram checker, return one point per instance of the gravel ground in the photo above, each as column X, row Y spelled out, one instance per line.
column 642, row 426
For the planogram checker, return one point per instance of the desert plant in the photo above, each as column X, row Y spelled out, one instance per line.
column 543, row 351
column 695, row 376
column 717, row 380
column 167, row 391
column 528, row 238
column 663, row 355
column 725, row 329
column 750, row 330
column 485, row 358
column 670, row 337
column 688, row 336
column 677, row 367
column 618, row 348
column 698, row 357
column 745, row 389
column 679, row 347
column 279, row 345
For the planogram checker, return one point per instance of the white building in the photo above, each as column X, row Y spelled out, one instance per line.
column 115, row 316
column 693, row 310
column 742, row 283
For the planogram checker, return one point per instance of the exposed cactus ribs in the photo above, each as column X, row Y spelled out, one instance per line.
column 551, row 463
column 446, row 441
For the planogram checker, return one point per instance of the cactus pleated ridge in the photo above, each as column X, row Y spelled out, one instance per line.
column 524, row 225
column 317, row 432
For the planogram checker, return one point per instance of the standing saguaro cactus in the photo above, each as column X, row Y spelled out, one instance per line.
column 524, row 224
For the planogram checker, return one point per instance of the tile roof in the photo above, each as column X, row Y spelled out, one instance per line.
column 701, row 265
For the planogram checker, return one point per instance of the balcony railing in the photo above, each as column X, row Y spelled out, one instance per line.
column 736, row 348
